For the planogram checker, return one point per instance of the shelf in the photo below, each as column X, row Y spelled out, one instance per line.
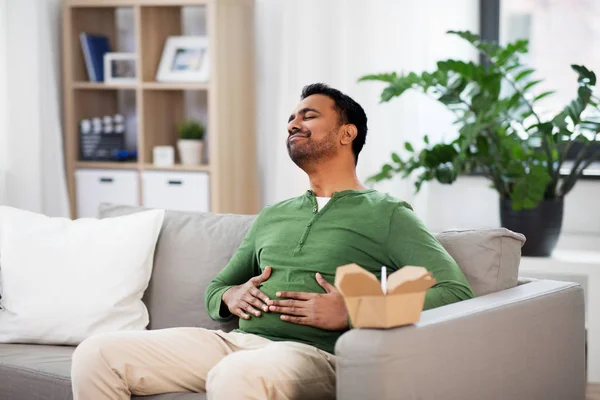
column 175, row 86
column 178, row 167
column 130, row 3
column 155, row 108
column 107, row 164
column 103, row 86
column 135, row 165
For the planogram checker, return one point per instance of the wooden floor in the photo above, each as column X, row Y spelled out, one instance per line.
column 593, row 391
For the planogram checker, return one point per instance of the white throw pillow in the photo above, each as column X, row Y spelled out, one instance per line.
column 64, row 280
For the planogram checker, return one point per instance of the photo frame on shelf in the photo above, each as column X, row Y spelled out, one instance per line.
column 120, row 68
column 184, row 59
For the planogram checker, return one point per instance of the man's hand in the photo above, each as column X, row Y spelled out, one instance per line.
column 246, row 299
column 325, row 311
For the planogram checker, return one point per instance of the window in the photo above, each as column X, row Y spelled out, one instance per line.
column 560, row 33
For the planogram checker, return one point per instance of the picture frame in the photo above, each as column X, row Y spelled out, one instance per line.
column 184, row 59
column 120, row 68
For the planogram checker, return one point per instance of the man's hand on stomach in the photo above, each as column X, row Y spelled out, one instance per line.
column 326, row 311
column 246, row 299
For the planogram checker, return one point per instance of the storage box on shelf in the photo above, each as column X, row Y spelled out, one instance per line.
column 95, row 186
column 228, row 182
column 186, row 191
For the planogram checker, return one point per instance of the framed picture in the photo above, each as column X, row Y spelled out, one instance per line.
column 184, row 59
column 119, row 68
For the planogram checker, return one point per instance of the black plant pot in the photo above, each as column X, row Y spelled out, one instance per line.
column 541, row 225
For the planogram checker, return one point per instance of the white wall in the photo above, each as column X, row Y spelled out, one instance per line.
column 336, row 41
column 305, row 41
column 471, row 203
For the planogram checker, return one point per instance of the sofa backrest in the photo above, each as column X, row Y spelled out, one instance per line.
column 193, row 247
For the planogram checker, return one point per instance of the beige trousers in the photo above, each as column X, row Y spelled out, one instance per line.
column 227, row 366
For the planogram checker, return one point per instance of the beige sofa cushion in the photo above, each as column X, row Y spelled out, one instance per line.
column 489, row 258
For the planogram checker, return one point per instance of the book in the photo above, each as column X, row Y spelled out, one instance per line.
column 94, row 48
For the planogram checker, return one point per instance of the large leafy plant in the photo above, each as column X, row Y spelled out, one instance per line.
column 501, row 133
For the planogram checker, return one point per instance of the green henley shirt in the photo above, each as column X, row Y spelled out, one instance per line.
column 368, row 228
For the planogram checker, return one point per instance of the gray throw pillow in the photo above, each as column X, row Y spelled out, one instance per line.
column 192, row 248
column 489, row 258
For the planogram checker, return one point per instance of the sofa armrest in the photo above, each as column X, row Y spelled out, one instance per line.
column 527, row 342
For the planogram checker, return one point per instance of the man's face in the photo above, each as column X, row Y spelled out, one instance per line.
column 313, row 130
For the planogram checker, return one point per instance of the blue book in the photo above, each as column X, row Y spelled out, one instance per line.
column 94, row 47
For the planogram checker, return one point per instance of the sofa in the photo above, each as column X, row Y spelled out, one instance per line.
column 517, row 339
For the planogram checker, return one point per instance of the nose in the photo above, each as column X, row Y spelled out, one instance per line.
column 293, row 126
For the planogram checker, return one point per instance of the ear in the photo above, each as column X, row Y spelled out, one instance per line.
column 349, row 132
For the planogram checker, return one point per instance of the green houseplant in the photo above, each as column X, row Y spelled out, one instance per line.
column 191, row 142
column 502, row 136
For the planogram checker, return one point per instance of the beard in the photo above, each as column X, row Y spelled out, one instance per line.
column 307, row 151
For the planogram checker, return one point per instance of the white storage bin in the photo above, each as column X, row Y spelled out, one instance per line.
column 184, row 191
column 95, row 186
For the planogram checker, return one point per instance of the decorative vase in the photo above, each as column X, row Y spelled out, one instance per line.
column 190, row 151
column 541, row 225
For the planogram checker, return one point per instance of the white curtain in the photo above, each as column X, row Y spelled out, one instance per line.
column 336, row 41
column 32, row 175
column 3, row 104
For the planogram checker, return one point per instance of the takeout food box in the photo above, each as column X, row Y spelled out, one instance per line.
column 367, row 304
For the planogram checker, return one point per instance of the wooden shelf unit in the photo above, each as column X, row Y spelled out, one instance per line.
column 175, row 86
column 178, row 167
column 106, row 165
column 131, row 3
column 230, row 93
column 103, row 86
column 141, row 167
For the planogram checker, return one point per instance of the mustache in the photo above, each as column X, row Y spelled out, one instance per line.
column 306, row 133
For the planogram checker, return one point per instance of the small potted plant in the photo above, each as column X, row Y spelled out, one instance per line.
column 191, row 142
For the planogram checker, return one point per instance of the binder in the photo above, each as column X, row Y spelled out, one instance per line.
column 94, row 48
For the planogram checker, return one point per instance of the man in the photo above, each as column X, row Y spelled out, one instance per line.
column 279, row 282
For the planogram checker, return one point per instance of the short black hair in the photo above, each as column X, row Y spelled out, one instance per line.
column 349, row 111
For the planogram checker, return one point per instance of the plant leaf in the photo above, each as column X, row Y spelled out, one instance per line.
column 591, row 125
column 542, row 95
column 392, row 91
column 511, row 67
column 532, row 84
column 584, row 94
column 524, row 74
column 585, row 76
column 467, row 35
column 445, row 174
column 409, row 147
column 386, row 77
column 449, row 98
column 529, row 188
